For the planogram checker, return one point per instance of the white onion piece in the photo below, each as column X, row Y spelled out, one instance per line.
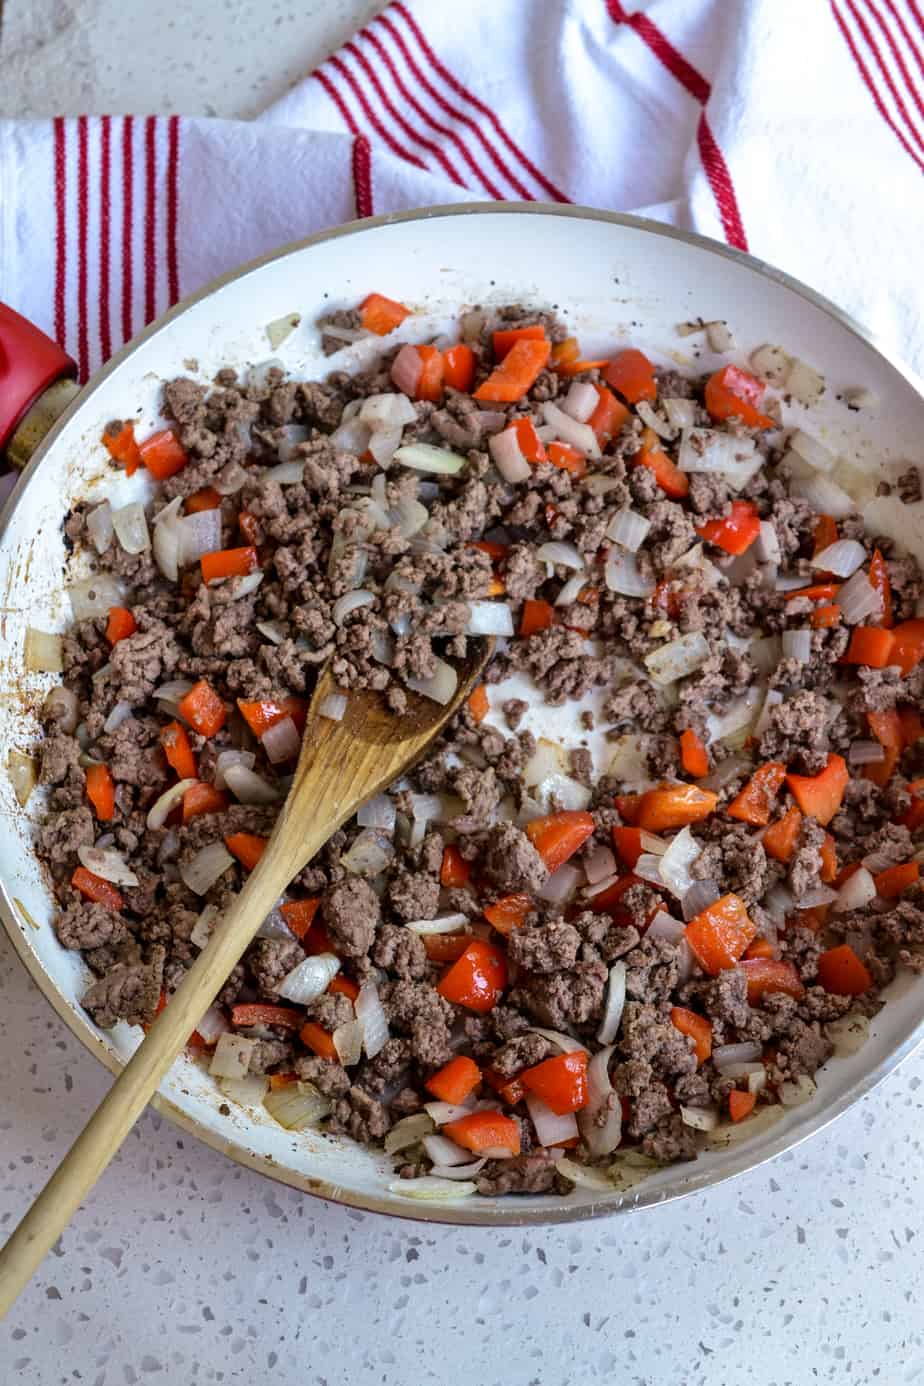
column 232, row 1056
column 735, row 1133
column 440, row 687
column 678, row 657
column 107, row 863
column 550, row 1127
column 441, row 1113
column 579, row 435
column 816, row 895
column 797, row 1091
column 676, row 862
column 772, row 700
column 680, row 412
column 286, row 474
column 131, row 527
column 162, row 807
column 388, row 410
column 297, row 1107
column 446, row 924
column 707, row 450
column 309, row 979
column 738, row 716
column 765, row 653
column 650, row 416
column 572, row 589
column 507, row 456
column 599, row 485
column 557, row 552
column 699, row 897
column 407, row 1132
column 584, row 1176
column 628, row 529
column 258, row 375
column 580, row 401
column 225, row 759
column 748, row 1051
column 700, row 1118
column 797, row 644
column 771, row 363
column 43, row 652
column 406, row 370
column 430, row 1190
column 280, row 328
column 248, row 787
column 200, row 935
column 246, row 1092
column 848, row 1033
column 93, row 596
column 719, row 337
column 566, row 1043
column 648, row 868
column 99, row 527
column 377, row 812
column 350, row 601
column 866, row 753
column 622, row 575
column 842, row 558
column 202, row 871
column 198, row 534
column 334, row 706
column 213, row 1024
column 779, row 902
column 732, row 1070
column 804, row 383
column 811, row 451
column 23, row 775
column 423, row 457
column 489, row 618
column 351, row 435
column 371, row 1015
column 857, row 891
column 426, row 806
column 369, row 854
column 600, row 864
column 348, row 1042
column 443, row 1151
column 601, row 1138
column 172, row 693
column 119, row 714
column 562, row 884
column 384, row 443
column 459, row 1171
column 665, row 926
column 767, row 544
column 615, row 1001
column 858, row 599
column 282, row 741
column 823, row 495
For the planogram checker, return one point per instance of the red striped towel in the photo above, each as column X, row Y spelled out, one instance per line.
column 792, row 128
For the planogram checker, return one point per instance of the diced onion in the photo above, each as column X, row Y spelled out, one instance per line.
column 286, row 474
column 680, row 412
column 622, row 575
column 442, row 1151
column 737, row 719
column 131, row 527
column 772, row 700
column 719, row 336
column 406, row 370
column 225, row 759
column 648, row 868
column 816, row 895
column 460, row 1172
column 350, row 601
column 699, row 897
column 765, row 653
column 562, row 884
column 579, row 435
column 23, row 775
column 665, row 926
column 119, row 714
column 857, row 891
column 387, row 411
column 384, row 443
column 804, row 383
column 797, row 644
column 823, row 495
column 601, row 1138
column 430, row 1190
column 566, row 1043
column 333, row 706
column 408, row 1132
column 557, row 552
column 550, row 1127
column 248, row 787
column 310, row 978
column 423, row 457
column 232, row 1056
column 273, row 631
column 164, row 806
column 107, row 863
column 489, row 618
column 281, row 328
column 43, row 652
column 583, row 1176
column 213, row 1024
column 297, row 1107
column 507, row 456
column 580, row 401
column 230, row 479
column 678, row 658
column 348, row 1042
column 99, row 527
column 172, row 693
column 779, row 902
column 767, row 544
column 426, row 806
column 198, row 534
column 650, row 416
column 93, row 596
column 811, row 451
column 734, row 1133
column 202, row 870
column 707, row 450
column 628, row 529
column 700, row 1118
column 441, row 1113
column 377, row 812
column 440, row 687
column 676, row 862
column 246, row 1092
column 200, row 935
column 571, row 590
column 369, row 854
column 848, row 1033
column 771, row 363
column 166, row 543
column 748, row 1051
column 858, row 599
column 615, row 1001
column 445, row 924
column 842, row 558
column 866, row 753
column 797, row 1091
column 352, row 435
column 371, row 1015
column 600, row 864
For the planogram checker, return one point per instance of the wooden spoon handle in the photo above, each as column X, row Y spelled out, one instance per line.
column 136, row 1084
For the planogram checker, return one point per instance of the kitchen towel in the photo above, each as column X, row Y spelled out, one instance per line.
column 790, row 128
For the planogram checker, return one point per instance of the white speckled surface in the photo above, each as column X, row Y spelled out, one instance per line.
column 185, row 1269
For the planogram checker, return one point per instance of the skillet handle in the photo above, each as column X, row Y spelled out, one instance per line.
column 36, row 378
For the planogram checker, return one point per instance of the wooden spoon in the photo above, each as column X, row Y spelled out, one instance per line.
column 342, row 764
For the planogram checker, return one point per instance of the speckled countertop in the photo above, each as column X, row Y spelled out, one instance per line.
column 183, row 1268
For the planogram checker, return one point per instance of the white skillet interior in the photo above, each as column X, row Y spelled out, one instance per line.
column 617, row 281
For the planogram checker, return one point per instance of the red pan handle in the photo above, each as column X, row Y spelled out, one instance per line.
column 29, row 363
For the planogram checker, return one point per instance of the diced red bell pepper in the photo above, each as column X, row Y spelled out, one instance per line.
column 913, row 817
column 879, row 577
column 674, row 806
column 163, row 454
column 225, row 563
column 530, row 443
column 206, row 499
column 672, row 481
column 203, row 798
column 299, row 914
column 735, row 533
column 122, row 447
column 628, row 806
column 315, row 1037
column 381, row 315
column 445, row 947
column 430, row 384
column 478, row 704
column 96, row 889
column 261, row 1013
column 249, row 526
column 506, row 338
column 178, row 751
column 477, row 980
column 760, row 948
column 343, row 986
column 561, row 1081
column 628, row 843
column 887, row 728
column 734, row 393
column 517, row 373
column 247, row 847
column 828, row 871
column 121, row 624
column 511, row 1090
column 459, row 367
column 609, row 417
column 203, row 709
column 557, row 836
column 720, row 933
column 770, row 974
column 455, row 1080
column 755, row 802
column 824, row 617
column 632, row 374
column 870, row 646
column 101, row 792
column 741, row 1104
column 895, row 879
column 697, row 1027
column 606, row 901
column 818, row 592
column 536, row 615
column 567, row 458
column 908, row 649
column 779, row 841
column 454, row 869
column 824, row 534
column 508, row 913
column 693, row 755
column 485, row 1131
column 842, row 973
column 820, row 796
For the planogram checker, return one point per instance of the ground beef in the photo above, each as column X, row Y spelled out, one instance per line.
column 798, row 733
column 271, row 960
column 417, row 1010
column 400, row 951
column 805, row 866
column 670, row 1140
column 414, row 895
column 351, row 915
column 564, row 999
column 129, row 992
column 509, row 860
column 546, row 947
column 358, row 1115
column 526, row 1174
column 522, row 1052
column 85, row 925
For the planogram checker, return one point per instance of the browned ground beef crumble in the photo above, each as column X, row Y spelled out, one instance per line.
column 314, row 546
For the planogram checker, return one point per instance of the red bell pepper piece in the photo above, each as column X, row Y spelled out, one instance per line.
column 693, row 755
column 908, row 649
column 561, row 1081
column 459, row 367
column 478, row 704
column 508, row 913
column 249, row 526
column 888, row 731
column 536, row 615
column 96, row 889
column 203, row 798
column 557, row 836
column 477, row 980
column 632, row 374
column 454, row 869
column 343, row 986
column 101, row 792
column 824, row 534
column 445, row 947
column 203, row 709
column 225, row 563
column 122, row 447
column 455, row 1080
column 840, row 971
column 430, row 384
column 820, row 796
column 870, row 646
column 670, row 478
column 913, row 817
column 895, row 879
column 505, row 338
column 674, row 806
column 247, row 847
column 178, row 751
column 735, row 533
column 879, row 577
column 823, row 617
column 828, row 860
column 735, row 393
column 740, row 1104
column 609, row 417
column 697, row 1027
column 530, row 443
column 260, row 1013
column 755, row 802
column 163, row 454
column 206, row 499
column 517, row 373
column 606, row 901
column 315, row 1037
column 381, row 315
column 628, row 843
column 770, row 974
column 485, row 1131
column 780, row 839
column 720, row 933
column 121, row 624
column 567, row 458
column 760, row 948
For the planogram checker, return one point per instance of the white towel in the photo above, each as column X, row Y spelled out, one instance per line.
column 790, row 128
